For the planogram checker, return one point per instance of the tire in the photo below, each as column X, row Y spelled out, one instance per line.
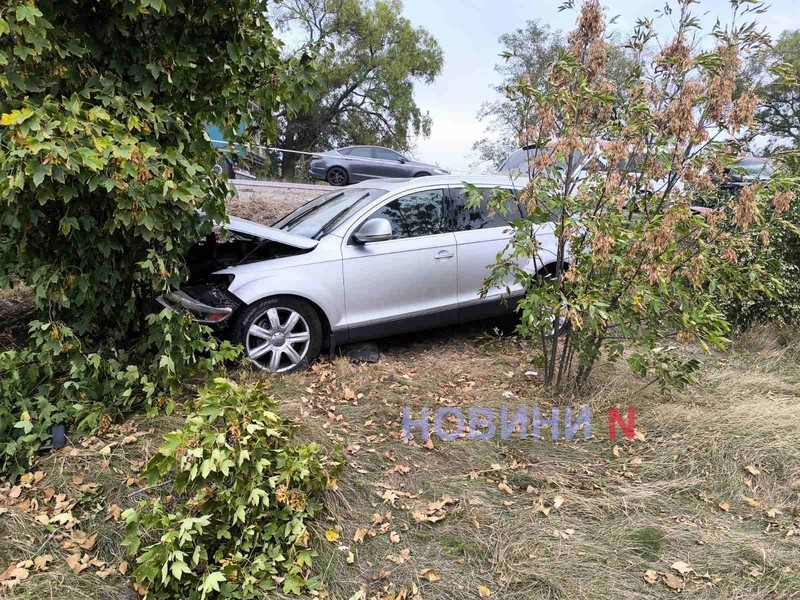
column 265, row 340
column 336, row 176
column 423, row 174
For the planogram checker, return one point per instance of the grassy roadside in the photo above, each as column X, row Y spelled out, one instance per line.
column 704, row 501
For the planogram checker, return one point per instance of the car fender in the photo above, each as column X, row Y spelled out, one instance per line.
column 322, row 289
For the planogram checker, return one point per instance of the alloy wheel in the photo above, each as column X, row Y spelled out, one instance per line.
column 278, row 339
column 337, row 177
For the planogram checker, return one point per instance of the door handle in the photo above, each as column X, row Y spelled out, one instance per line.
column 443, row 254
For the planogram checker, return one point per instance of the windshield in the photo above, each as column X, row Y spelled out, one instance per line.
column 324, row 213
column 519, row 160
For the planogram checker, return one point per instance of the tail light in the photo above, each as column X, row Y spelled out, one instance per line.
column 316, row 157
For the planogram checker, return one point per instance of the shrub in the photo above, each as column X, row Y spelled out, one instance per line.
column 237, row 523
column 615, row 173
column 105, row 169
column 56, row 379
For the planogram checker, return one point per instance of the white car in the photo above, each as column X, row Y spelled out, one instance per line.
column 371, row 260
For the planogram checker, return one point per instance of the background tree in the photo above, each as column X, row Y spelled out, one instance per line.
column 528, row 53
column 779, row 106
column 370, row 56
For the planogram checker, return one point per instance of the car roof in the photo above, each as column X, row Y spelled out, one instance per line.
column 395, row 185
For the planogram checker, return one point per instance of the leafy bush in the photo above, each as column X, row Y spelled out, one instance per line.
column 104, row 170
column 615, row 171
column 56, row 379
column 237, row 525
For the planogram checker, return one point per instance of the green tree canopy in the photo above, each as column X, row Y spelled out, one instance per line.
column 370, row 56
column 779, row 110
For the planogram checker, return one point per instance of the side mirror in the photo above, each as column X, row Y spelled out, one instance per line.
column 402, row 160
column 374, row 230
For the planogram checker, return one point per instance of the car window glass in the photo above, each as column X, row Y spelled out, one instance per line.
column 481, row 217
column 384, row 154
column 324, row 212
column 415, row 215
column 361, row 152
column 345, row 151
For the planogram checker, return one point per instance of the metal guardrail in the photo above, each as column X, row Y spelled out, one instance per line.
column 281, row 185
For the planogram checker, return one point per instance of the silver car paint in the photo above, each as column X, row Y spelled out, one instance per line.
column 357, row 285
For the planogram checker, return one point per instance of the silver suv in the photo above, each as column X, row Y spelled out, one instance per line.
column 375, row 259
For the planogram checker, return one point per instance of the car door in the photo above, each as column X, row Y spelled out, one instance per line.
column 389, row 163
column 408, row 282
column 361, row 164
column 481, row 236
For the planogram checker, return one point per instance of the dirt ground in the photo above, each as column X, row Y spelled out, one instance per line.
column 267, row 205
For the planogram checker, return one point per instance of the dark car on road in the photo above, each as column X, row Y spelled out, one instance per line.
column 359, row 163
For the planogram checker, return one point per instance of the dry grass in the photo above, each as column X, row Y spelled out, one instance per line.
column 624, row 507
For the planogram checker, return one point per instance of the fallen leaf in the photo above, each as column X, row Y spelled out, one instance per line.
column 673, row 581
column 358, row 536
column 503, row 487
column 681, row 567
column 394, row 537
column 753, row 502
column 725, row 506
column 484, row 592
column 40, row 562
column 557, row 502
column 430, row 575
column 752, row 470
column 332, row 535
column 650, row 576
column 123, row 567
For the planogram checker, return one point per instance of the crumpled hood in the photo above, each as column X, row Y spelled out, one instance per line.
column 264, row 232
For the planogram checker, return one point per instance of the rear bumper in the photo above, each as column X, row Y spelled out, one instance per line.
column 317, row 171
column 214, row 306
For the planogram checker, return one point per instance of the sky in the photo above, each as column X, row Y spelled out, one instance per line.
column 467, row 31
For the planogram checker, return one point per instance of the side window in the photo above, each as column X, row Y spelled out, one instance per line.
column 415, row 215
column 361, row 152
column 345, row 151
column 384, row 154
column 480, row 217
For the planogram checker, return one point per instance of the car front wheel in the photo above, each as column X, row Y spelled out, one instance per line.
column 280, row 334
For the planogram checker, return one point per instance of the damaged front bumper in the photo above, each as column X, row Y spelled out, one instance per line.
column 207, row 304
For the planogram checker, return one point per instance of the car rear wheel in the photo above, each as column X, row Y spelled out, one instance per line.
column 422, row 175
column 337, row 176
column 280, row 334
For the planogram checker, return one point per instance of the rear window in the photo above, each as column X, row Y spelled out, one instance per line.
column 362, row 152
column 481, row 217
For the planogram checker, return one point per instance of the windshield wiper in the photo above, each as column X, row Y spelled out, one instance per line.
column 305, row 213
column 337, row 218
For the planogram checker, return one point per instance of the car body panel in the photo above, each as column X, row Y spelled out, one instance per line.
column 360, row 167
column 265, row 232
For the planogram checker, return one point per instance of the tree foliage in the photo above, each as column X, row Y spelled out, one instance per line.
column 104, row 171
column 779, row 105
column 237, row 526
column 370, row 56
column 613, row 178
